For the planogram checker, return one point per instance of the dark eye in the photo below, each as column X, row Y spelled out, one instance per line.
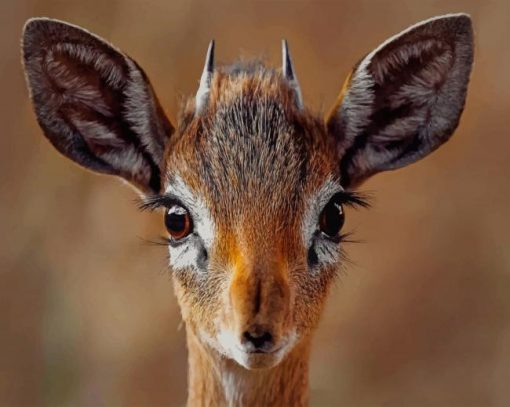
column 332, row 218
column 178, row 222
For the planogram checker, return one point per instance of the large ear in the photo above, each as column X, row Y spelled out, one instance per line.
column 94, row 103
column 404, row 99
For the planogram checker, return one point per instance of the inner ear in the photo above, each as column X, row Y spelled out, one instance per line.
column 81, row 85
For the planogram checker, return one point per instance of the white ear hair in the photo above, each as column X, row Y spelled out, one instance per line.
column 112, row 122
column 289, row 74
column 404, row 99
column 204, row 88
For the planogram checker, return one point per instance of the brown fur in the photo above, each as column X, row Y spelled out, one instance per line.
column 260, row 230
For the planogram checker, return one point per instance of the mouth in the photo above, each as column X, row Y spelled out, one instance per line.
column 260, row 359
column 265, row 352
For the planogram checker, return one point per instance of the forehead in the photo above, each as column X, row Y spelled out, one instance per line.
column 252, row 149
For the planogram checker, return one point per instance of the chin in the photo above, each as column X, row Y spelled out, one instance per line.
column 258, row 360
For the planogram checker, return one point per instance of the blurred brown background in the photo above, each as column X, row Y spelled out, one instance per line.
column 422, row 317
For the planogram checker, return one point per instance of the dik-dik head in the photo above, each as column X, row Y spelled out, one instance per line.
column 252, row 183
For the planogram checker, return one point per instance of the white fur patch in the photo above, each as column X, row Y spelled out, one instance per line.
column 231, row 347
column 201, row 215
column 125, row 158
column 315, row 205
column 185, row 255
column 358, row 100
column 139, row 108
column 97, row 133
column 188, row 252
column 327, row 251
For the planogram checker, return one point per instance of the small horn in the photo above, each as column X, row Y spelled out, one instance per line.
column 289, row 74
column 204, row 88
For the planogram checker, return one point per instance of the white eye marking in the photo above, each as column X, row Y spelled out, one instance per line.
column 327, row 252
column 314, row 207
column 185, row 255
column 188, row 252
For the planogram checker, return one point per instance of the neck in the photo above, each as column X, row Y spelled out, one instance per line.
column 216, row 380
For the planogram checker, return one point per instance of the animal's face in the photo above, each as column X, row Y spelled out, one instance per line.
column 252, row 184
column 252, row 177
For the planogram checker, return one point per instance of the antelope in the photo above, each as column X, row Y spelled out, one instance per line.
column 253, row 184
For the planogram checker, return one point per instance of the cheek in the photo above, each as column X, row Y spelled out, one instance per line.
column 203, row 293
column 311, row 291
column 200, row 297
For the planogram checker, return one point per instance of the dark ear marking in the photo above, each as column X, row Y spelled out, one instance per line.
column 94, row 103
column 404, row 99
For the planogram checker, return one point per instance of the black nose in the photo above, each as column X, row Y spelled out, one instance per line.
column 258, row 340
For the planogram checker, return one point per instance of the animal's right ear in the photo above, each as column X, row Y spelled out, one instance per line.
column 94, row 103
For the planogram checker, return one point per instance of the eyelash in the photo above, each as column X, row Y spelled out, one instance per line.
column 355, row 199
column 152, row 203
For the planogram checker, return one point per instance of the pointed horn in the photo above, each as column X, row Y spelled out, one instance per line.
column 289, row 74
column 202, row 95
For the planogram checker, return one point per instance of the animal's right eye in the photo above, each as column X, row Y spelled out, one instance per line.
column 178, row 222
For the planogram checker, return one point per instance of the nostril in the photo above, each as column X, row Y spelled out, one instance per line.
column 259, row 341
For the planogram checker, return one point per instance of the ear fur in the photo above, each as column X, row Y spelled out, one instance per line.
column 404, row 99
column 94, row 103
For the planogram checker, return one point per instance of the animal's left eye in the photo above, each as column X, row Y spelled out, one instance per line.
column 332, row 218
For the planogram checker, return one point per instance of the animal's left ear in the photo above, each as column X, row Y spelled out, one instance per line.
column 404, row 99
